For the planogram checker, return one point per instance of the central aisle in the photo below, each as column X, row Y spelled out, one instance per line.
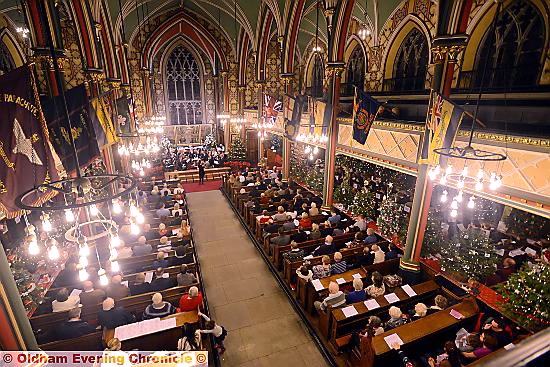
column 263, row 329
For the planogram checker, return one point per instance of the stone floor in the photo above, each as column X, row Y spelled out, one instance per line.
column 263, row 329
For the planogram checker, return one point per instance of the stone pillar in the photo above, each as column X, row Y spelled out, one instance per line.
column 227, row 127
column 240, row 89
column 287, row 79
column 334, row 72
column 261, row 91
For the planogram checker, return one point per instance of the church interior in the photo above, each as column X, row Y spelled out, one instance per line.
column 260, row 182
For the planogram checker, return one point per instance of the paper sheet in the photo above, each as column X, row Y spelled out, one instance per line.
column 530, row 251
column 516, row 252
column 457, row 315
column 317, row 285
column 391, row 298
column 148, row 277
column 175, row 231
column 356, row 275
column 500, row 252
column 166, row 275
column 371, row 304
column 509, row 346
column 407, row 289
column 325, row 213
column 307, row 232
column 393, row 339
column 75, row 292
column 340, row 280
column 349, row 311
column 125, row 283
column 296, row 222
column 344, row 220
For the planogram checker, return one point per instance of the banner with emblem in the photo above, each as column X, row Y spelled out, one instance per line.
column 82, row 131
column 365, row 109
column 102, row 122
column 442, row 122
column 26, row 156
column 292, row 125
column 124, row 118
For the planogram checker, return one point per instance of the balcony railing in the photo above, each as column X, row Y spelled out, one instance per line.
column 411, row 84
column 498, row 79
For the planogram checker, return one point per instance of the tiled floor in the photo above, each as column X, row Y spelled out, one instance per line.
column 263, row 329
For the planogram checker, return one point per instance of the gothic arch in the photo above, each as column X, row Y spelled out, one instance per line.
column 354, row 44
column 8, row 40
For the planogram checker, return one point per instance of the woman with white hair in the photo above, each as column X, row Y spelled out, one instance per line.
column 158, row 308
column 396, row 318
column 191, row 301
column 359, row 294
column 313, row 210
column 420, row 310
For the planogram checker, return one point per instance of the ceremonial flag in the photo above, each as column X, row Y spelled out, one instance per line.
column 26, row 157
column 322, row 117
column 82, row 131
column 272, row 107
column 124, row 118
column 292, row 125
column 365, row 109
column 442, row 122
column 104, row 128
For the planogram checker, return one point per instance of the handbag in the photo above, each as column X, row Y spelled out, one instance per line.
column 393, row 280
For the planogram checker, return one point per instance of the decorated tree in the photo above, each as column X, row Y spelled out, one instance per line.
column 209, row 141
column 237, row 152
column 31, row 293
column 469, row 255
column 364, row 203
column 434, row 238
column 524, row 297
column 528, row 225
column 393, row 220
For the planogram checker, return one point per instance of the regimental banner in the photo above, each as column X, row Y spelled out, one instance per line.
column 124, row 118
column 100, row 113
column 292, row 125
column 82, row 130
column 442, row 122
column 26, row 157
column 272, row 107
column 365, row 109
column 321, row 117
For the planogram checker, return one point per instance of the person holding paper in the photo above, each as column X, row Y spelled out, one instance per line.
column 440, row 303
column 116, row 290
column 420, row 310
column 139, row 286
column 158, row 308
column 162, row 281
column 315, row 232
column 322, row 270
column 335, row 298
column 324, row 249
column 91, row 296
column 300, row 236
column 396, row 318
column 64, row 301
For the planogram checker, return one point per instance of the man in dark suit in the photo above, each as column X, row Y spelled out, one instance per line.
column 74, row 326
column 116, row 290
column 327, row 229
column 299, row 236
column 367, row 258
column 324, row 249
column 162, row 281
column 91, row 296
column 111, row 317
column 140, row 286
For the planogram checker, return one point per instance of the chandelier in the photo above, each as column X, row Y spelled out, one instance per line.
column 150, row 146
column 312, row 138
column 311, row 152
column 317, row 49
column 155, row 125
column 364, row 30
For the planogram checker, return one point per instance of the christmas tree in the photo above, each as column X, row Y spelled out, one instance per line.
column 364, row 203
column 526, row 297
column 528, row 225
column 209, row 141
column 469, row 255
column 237, row 152
column 393, row 221
column 434, row 239
column 31, row 293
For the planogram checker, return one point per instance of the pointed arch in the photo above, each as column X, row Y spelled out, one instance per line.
column 11, row 50
column 263, row 42
column 356, row 65
column 293, row 15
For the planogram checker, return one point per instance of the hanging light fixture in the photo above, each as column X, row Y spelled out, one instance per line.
column 364, row 30
column 317, row 49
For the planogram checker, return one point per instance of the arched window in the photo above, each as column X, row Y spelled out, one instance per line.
column 6, row 61
column 318, row 77
column 183, row 81
column 411, row 63
column 355, row 75
column 512, row 53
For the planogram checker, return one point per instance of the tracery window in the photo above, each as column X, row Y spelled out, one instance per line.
column 411, row 63
column 318, row 76
column 513, row 51
column 6, row 61
column 183, row 81
column 355, row 75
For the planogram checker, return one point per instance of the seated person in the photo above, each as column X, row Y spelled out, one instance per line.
column 177, row 211
column 392, row 252
column 322, row 270
column 315, row 232
column 281, row 215
column 124, row 252
column 377, row 288
column 339, row 265
column 376, row 325
column 497, row 328
column 282, row 239
column 359, row 225
column 305, row 222
column 327, row 229
column 142, row 248
column 163, row 245
column 184, row 277
column 161, row 261
column 289, row 226
column 185, row 228
column 271, row 228
column 300, row 236
column 379, row 255
column 116, row 290
column 366, row 258
column 420, row 310
column 139, row 285
column 440, row 303
column 304, row 273
column 334, row 218
column 313, row 210
column 64, row 301
column 163, row 212
column 335, row 298
column 371, row 237
column 325, row 249
column 357, row 241
column 91, row 296
column 190, row 301
column 295, row 253
column 148, row 233
column 74, row 326
column 359, row 294
column 67, row 276
column 468, row 342
column 396, row 318
column 489, row 344
column 110, row 317
column 158, row 308
column 162, row 281
column 163, row 231
column 264, row 218
column 450, row 357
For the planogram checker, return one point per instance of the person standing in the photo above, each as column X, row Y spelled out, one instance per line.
column 201, row 173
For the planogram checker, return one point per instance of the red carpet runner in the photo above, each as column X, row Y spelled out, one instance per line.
column 208, row 186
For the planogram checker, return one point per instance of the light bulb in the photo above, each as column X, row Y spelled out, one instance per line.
column 480, row 173
column 115, row 267
column 53, row 253
column 311, row 157
column 444, row 197
column 116, row 207
column 133, row 210
column 114, row 253
column 454, row 204
column 307, row 150
column 454, row 213
column 493, row 185
column 115, row 241
column 471, row 203
column 431, row 174
column 69, row 216
column 83, row 275
column 443, row 180
column 103, row 280
column 465, row 171
column 84, row 250
column 134, row 229
column 83, row 260
column 460, row 183
column 34, row 249
column 459, row 197
column 142, row 172
column 140, row 219
column 479, row 185
column 46, row 225
column 449, row 169
column 437, row 169
column 498, row 181
column 315, row 150
column 93, row 210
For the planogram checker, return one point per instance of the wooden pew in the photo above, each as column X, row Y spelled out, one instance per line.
column 374, row 349
column 193, row 175
column 88, row 342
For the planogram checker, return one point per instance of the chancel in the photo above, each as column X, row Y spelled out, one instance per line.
column 259, row 182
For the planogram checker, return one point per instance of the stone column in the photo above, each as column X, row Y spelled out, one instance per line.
column 287, row 79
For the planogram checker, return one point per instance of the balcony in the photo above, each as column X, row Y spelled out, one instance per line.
column 407, row 85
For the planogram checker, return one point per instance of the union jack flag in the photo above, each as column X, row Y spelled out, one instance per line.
column 435, row 118
column 272, row 107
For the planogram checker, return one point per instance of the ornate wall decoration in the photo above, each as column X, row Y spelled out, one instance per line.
column 250, row 95
column 273, row 69
column 73, row 69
